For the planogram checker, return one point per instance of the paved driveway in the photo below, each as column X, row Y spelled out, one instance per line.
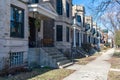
column 95, row 70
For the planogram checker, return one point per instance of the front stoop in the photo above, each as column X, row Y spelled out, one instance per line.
column 59, row 60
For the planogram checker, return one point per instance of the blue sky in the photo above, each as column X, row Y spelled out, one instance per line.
column 84, row 3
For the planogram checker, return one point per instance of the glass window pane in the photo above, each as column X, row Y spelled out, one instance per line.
column 67, row 9
column 20, row 16
column 59, row 33
column 12, row 14
column 59, row 6
column 17, row 24
column 16, row 58
column 78, row 18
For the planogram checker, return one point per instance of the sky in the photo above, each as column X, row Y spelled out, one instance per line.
column 84, row 3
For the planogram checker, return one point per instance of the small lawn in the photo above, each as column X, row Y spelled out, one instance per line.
column 114, row 75
column 41, row 74
column 86, row 60
column 115, row 60
column 115, row 63
column 57, row 74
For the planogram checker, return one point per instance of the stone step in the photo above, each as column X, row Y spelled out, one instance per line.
column 50, row 48
column 83, row 51
column 52, row 53
column 61, row 59
column 56, row 56
column 63, row 62
column 66, row 65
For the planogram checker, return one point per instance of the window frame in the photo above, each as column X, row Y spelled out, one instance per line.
column 67, row 9
column 78, row 17
column 17, row 22
column 16, row 59
column 59, row 35
column 59, row 7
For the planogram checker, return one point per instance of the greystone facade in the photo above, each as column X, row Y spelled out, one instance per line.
column 45, row 36
column 78, row 10
column 28, row 47
column 65, row 22
column 89, row 26
column 8, row 44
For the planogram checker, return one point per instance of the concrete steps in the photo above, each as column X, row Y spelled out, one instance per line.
column 59, row 58
column 81, row 51
column 66, row 65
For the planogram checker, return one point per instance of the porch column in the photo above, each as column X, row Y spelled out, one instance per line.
column 87, row 38
column 90, row 39
column 98, row 42
column 93, row 40
column 79, row 39
column 82, row 37
column 74, row 35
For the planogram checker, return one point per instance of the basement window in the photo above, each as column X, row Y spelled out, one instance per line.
column 16, row 59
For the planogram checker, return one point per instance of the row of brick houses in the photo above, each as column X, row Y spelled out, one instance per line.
column 40, row 31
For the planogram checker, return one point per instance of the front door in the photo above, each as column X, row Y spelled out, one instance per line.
column 34, row 32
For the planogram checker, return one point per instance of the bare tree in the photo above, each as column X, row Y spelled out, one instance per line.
column 111, row 21
column 107, row 12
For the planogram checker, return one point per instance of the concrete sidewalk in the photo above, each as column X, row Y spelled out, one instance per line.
column 95, row 70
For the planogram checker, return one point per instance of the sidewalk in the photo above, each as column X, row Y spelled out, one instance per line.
column 95, row 70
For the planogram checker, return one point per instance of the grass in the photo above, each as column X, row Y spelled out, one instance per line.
column 113, row 75
column 86, row 60
column 116, row 54
column 115, row 60
column 57, row 74
column 115, row 63
column 41, row 74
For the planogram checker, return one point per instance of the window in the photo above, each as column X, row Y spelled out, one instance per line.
column 78, row 18
column 87, row 26
column 16, row 58
column 67, row 9
column 33, row 1
column 59, row 6
column 59, row 31
column 67, row 34
column 17, row 22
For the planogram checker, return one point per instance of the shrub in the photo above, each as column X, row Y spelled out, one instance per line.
column 105, row 48
column 87, row 47
column 107, row 44
column 13, row 71
column 67, row 53
column 34, row 65
column 117, row 38
column 117, row 54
